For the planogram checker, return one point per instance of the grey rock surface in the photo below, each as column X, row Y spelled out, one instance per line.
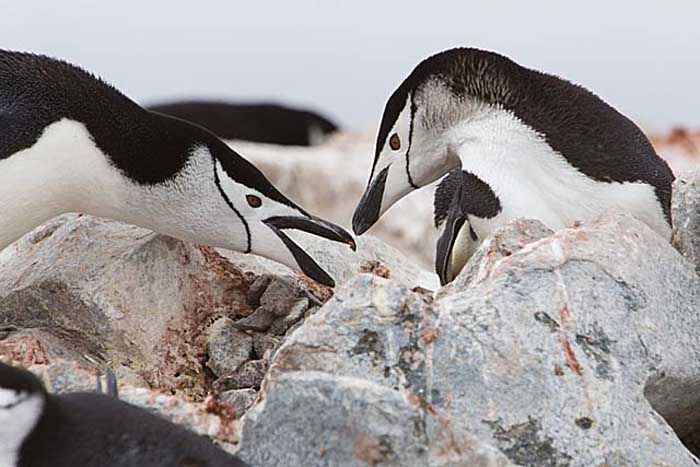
column 314, row 419
column 227, row 346
column 95, row 291
column 239, row 399
column 685, row 210
column 579, row 349
column 503, row 243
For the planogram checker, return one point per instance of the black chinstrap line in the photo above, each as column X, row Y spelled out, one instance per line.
column 230, row 204
column 410, row 140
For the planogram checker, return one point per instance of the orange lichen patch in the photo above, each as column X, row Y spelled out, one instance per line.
column 370, row 450
column 226, row 414
column 429, row 335
column 25, row 351
column 420, row 403
column 571, row 360
column 319, row 291
column 376, row 268
column 564, row 314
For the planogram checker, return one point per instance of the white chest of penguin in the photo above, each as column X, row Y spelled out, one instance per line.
column 533, row 181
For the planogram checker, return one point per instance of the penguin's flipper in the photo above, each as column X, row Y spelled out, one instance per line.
column 112, row 388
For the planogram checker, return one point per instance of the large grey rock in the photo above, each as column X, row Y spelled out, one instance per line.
column 314, row 419
column 502, row 243
column 228, row 347
column 579, row 349
column 95, row 291
column 685, row 210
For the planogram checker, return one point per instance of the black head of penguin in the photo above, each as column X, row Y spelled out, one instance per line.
column 460, row 199
column 95, row 430
column 418, row 144
column 258, row 122
column 171, row 176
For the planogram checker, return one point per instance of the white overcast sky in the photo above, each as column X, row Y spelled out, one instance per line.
column 346, row 57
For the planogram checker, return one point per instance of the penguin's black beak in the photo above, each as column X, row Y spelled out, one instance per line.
column 445, row 244
column 368, row 210
column 314, row 226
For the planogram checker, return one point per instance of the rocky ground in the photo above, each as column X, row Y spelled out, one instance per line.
column 574, row 348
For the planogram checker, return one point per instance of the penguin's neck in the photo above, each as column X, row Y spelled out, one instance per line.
column 64, row 171
column 534, row 181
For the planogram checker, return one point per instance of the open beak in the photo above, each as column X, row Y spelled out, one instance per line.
column 445, row 244
column 314, row 226
column 369, row 208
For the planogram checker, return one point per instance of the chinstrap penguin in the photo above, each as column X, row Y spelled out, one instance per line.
column 464, row 208
column 548, row 149
column 258, row 122
column 71, row 143
column 38, row 429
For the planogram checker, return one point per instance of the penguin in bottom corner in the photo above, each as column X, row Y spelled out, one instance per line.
column 38, row 429
column 466, row 211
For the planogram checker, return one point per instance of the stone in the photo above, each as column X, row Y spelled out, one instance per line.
column 228, row 347
column 312, row 418
column 685, row 212
column 110, row 294
column 503, row 243
column 264, row 344
column 239, row 399
column 249, row 375
column 542, row 357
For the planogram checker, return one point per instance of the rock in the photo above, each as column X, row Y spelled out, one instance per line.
column 579, row 349
column 503, row 243
column 249, row 375
column 239, row 399
column 375, row 330
column 343, row 264
column 311, row 418
column 118, row 295
column 228, row 347
column 685, row 211
column 264, row 344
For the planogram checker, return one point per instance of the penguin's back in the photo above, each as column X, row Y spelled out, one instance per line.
column 262, row 122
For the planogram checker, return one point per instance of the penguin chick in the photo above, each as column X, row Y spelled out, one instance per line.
column 71, row 143
column 38, row 429
column 259, row 122
column 549, row 149
column 464, row 207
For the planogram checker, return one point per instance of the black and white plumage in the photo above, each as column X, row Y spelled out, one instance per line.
column 71, row 143
column 38, row 429
column 258, row 122
column 548, row 149
column 464, row 208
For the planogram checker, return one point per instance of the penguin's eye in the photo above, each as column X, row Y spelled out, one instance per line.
column 253, row 201
column 395, row 142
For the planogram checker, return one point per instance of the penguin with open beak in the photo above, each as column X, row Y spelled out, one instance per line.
column 69, row 142
column 548, row 149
